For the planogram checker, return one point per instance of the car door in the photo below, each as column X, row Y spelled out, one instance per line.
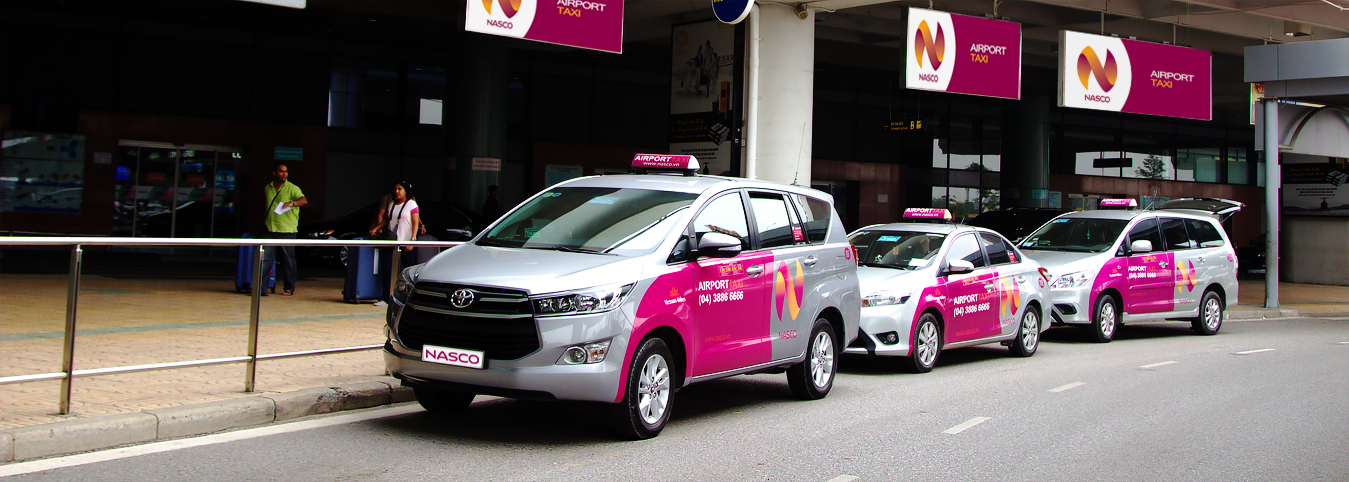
column 797, row 268
column 1011, row 274
column 1214, row 256
column 1151, row 274
column 971, row 313
column 1188, row 257
column 730, row 321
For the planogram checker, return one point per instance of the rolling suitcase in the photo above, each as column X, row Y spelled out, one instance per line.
column 364, row 268
column 425, row 253
column 243, row 275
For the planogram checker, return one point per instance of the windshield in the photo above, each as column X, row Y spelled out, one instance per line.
column 625, row 222
column 1084, row 235
column 896, row 249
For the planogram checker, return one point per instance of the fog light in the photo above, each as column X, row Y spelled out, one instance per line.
column 575, row 355
column 888, row 338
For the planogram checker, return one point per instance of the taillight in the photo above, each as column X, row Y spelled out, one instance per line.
column 1044, row 273
column 853, row 248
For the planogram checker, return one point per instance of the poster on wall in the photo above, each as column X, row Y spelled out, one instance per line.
column 1122, row 75
column 41, row 172
column 701, row 90
column 588, row 24
column 1315, row 185
column 963, row 55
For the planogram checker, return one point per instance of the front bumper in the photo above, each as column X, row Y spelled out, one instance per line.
column 533, row 376
column 1071, row 306
column 883, row 319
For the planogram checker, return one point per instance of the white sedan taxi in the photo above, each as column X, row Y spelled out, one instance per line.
column 929, row 286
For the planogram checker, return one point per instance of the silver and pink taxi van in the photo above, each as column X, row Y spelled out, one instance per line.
column 929, row 287
column 623, row 289
column 1114, row 266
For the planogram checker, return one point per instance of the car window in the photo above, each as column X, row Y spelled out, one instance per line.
column 815, row 216
column 996, row 248
column 725, row 215
column 897, row 249
column 773, row 219
column 966, row 247
column 620, row 221
column 1086, row 235
column 1173, row 229
column 1204, row 233
column 1146, row 230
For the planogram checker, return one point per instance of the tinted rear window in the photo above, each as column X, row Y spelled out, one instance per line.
column 817, row 216
column 1204, row 233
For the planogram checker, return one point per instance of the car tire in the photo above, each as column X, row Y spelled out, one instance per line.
column 926, row 345
column 814, row 377
column 442, row 402
column 1211, row 312
column 1027, row 334
column 649, row 394
column 1104, row 319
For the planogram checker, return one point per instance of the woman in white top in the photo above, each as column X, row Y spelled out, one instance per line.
column 402, row 219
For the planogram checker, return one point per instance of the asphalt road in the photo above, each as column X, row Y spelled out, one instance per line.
column 1263, row 400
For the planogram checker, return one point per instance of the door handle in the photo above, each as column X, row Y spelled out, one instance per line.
column 988, row 286
column 809, row 261
column 755, row 270
column 1203, row 260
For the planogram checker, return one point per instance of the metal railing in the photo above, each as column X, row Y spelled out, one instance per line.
column 68, row 372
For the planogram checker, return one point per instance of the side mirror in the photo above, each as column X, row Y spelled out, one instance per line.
column 959, row 266
column 717, row 245
column 1141, row 246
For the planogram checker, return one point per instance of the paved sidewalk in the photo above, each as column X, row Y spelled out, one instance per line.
column 141, row 321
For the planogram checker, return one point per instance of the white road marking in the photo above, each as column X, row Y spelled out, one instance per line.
column 1248, row 352
column 1344, row 343
column 1155, row 365
column 20, row 468
column 965, row 426
column 1067, row 387
column 843, row 478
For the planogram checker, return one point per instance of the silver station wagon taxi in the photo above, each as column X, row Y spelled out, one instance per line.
column 1173, row 261
column 622, row 289
column 928, row 287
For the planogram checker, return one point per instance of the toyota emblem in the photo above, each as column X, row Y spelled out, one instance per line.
column 461, row 298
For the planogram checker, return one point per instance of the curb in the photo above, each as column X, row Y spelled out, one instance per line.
column 1261, row 313
column 96, row 433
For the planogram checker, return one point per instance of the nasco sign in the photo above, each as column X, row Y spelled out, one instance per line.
column 1121, row 75
column 963, row 55
column 589, row 24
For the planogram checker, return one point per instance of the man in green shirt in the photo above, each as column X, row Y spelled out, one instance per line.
column 283, row 220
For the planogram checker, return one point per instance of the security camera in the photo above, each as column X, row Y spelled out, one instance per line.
column 801, row 11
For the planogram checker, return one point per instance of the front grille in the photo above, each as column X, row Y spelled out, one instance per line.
column 498, row 322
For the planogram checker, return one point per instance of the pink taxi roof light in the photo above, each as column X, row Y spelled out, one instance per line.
column 927, row 213
column 642, row 163
column 1119, row 203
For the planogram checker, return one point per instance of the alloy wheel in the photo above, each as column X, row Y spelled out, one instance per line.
column 1213, row 314
column 653, row 389
column 822, row 360
column 1108, row 320
column 1030, row 330
column 927, row 344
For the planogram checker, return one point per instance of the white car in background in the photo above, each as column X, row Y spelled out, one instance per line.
column 1173, row 261
column 929, row 287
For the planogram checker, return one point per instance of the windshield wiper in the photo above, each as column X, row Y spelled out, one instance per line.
column 883, row 265
column 492, row 242
column 569, row 249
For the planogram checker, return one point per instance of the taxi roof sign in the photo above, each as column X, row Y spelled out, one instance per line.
column 642, row 163
column 1119, row 203
column 927, row 213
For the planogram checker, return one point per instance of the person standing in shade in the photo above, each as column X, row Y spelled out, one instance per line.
column 283, row 219
column 491, row 209
column 403, row 222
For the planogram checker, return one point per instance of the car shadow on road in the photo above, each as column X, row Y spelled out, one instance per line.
column 1143, row 331
column 552, row 424
column 887, row 366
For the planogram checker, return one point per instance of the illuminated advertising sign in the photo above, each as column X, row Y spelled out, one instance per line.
column 1121, row 75
column 963, row 55
column 587, row 24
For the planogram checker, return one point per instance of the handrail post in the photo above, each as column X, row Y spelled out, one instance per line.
column 68, row 350
column 394, row 268
column 251, row 369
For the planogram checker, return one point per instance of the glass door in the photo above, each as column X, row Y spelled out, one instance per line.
column 176, row 191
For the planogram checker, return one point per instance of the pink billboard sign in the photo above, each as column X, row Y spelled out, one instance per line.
column 1119, row 203
column 1122, row 75
column 963, row 55
column 926, row 213
column 596, row 25
column 664, row 161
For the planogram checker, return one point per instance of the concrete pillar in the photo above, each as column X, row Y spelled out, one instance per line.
column 1025, row 152
column 476, row 116
column 786, row 95
column 1272, row 184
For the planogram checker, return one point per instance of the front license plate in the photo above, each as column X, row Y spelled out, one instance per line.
column 453, row 356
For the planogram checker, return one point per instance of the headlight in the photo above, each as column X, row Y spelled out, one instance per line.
column 402, row 289
column 1071, row 280
column 583, row 354
column 884, row 298
column 593, row 300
